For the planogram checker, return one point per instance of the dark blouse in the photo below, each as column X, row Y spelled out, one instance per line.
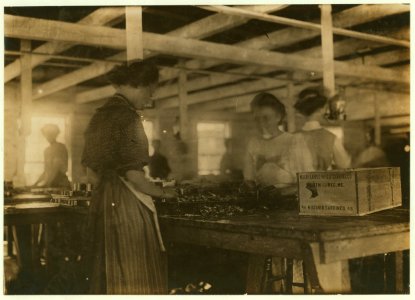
column 115, row 138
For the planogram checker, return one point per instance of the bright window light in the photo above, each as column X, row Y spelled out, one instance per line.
column 211, row 146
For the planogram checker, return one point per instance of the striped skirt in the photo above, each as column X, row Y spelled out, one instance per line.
column 122, row 248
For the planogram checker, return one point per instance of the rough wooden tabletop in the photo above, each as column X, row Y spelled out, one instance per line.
column 288, row 224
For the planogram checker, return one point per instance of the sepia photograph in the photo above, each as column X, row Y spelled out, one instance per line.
column 222, row 149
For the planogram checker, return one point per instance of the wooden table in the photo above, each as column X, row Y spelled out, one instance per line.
column 324, row 243
column 24, row 224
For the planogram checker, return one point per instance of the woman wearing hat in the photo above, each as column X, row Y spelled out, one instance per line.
column 124, row 245
column 56, row 160
column 324, row 146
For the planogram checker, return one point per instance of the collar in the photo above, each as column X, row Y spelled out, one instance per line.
column 118, row 100
column 311, row 125
column 126, row 101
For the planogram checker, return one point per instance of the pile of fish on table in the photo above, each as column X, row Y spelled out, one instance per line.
column 226, row 199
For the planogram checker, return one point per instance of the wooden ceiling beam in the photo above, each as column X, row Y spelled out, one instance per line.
column 218, row 47
column 100, row 16
column 384, row 58
column 198, row 30
column 50, row 30
column 347, row 18
column 306, row 25
column 360, row 12
column 341, row 48
column 243, row 93
column 241, row 104
column 350, row 17
column 217, row 23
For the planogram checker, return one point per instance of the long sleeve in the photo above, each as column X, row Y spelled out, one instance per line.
column 115, row 139
column 340, row 156
column 133, row 146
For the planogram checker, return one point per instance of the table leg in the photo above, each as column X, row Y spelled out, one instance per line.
column 330, row 278
column 9, row 240
column 256, row 274
column 22, row 239
column 399, row 271
column 35, row 246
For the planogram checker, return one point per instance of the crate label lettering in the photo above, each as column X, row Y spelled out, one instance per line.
column 346, row 176
column 326, row 207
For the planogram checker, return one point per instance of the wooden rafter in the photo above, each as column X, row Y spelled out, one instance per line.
column 209, row 56
column 341, row 48
column 239, row 95
column 49, row 30
column 279, row 38
column 101, row 16
column 241, row 103
column 306, row 25
column 199, row 29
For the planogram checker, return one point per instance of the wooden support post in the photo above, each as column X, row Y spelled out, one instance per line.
column 25, row 108
column 290, row 106
column 26, row 87
column 327, row 49
column 156, row 126
column 183, row 104
column 378, row 127
column 134, row 32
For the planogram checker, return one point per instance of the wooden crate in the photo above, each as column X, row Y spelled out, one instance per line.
column 352, row 192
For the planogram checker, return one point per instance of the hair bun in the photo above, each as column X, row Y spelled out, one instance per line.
column 308, row 93
column 310, row 100
column 135, row 73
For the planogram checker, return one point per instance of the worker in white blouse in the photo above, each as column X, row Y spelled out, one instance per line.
column 267, row 153
column 326, row 149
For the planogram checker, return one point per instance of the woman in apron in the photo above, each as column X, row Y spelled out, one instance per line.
column 123, row 245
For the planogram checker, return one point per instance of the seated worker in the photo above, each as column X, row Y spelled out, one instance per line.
column 56, row 160
column 158, row 165
column 372, row 156
column 268, row 161
column 325, row 148
column 265, row 159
